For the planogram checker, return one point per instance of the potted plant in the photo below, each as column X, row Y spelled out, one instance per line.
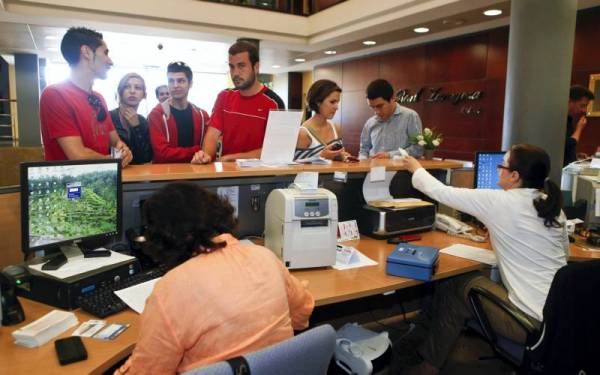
column 429, row 140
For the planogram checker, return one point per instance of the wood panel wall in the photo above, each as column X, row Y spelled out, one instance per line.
column 466, row 63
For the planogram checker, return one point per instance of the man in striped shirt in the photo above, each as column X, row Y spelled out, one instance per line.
column 240, row 115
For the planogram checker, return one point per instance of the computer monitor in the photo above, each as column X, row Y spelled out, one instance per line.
column 486, row 170
column 66, row 204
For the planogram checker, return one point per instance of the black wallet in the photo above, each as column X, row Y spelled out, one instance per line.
column 70, row 350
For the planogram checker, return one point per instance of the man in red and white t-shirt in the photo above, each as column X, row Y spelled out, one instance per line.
column 240, row 115
column 74, row 119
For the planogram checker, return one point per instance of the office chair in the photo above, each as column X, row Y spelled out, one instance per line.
column 504, row 347
column 306, row 353
column 566, row 342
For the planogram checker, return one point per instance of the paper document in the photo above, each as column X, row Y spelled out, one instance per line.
column 356, row 259
column 81, row 265
column 136, row 296
column 280, row 139
column 471, row 252
column 314, row 160
column 595, row 163
column 307, row 181
column 374, row 190
column 399, row 203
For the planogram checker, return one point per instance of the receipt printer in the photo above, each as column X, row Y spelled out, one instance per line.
column 412, row 261
column 301, row 226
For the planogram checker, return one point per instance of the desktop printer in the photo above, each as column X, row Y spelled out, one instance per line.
column 301, row 226
column 383, row 216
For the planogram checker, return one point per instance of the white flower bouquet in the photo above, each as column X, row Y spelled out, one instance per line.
column 428, row 139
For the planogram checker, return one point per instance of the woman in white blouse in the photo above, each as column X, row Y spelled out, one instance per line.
column 527, row 232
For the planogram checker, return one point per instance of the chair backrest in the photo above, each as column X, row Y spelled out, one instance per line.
column 307, row 353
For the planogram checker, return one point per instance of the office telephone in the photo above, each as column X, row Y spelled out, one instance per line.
column 456, row 227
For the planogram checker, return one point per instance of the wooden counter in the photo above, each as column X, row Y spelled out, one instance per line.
column 169, row 172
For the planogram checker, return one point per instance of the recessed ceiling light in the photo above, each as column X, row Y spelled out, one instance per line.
column 330, row 52
column 52, row 49
column 300, row 59
column 421, row 30
column 492, row 12
column 275, row 66
column 369, row 42
column 51, row 37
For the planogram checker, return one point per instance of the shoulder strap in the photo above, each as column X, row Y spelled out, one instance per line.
column 315, row 135
column 335, row 134
column 239, row 365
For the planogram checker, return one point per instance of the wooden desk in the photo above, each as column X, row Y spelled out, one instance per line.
column 102, row 354
column 172, row 172
column 330, row 286
column 327, row 285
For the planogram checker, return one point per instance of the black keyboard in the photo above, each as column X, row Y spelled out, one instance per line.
column 103, row 302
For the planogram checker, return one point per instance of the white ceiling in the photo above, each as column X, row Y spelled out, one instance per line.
column 132, row 45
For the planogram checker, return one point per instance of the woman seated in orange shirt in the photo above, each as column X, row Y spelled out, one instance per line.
column 223, row 299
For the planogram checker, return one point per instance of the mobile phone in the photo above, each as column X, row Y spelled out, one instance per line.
column 404, row 238
column 70, row 350
column 336, row 146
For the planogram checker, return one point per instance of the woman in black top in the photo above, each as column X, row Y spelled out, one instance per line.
column 131, row 127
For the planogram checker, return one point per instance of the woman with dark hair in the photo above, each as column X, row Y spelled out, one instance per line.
column 528, row 234
column 318, row 135
column 131, row 127
column 223, row 299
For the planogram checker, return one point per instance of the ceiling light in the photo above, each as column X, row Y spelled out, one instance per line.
column 300, row 59
column 369, row 42
column 330, row 52
column 52, row 49
column 492, row 12
column 421, row 30
column 51, row 37
column 275, row 66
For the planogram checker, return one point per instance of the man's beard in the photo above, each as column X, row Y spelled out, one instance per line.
column 247, row 84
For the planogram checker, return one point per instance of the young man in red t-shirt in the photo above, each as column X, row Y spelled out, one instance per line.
column 240, row 115
column 74, row 119
column 177, row 127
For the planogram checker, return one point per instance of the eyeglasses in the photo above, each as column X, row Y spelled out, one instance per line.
column 500, row 166
column 96, row 103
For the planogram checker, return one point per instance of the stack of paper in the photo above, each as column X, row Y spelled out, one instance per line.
column 471, row 252
column 314, row 160
column 248, row 163
column 45, row 328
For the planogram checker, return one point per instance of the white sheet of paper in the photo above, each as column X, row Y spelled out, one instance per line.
column 280, row 139
column 341, row 176
column 362, row 261
column 595, row 163
column 377, row 190
column 232, row 194
column 81, row 265
column 471, row 252
column 136, row 296
column 377, row 174
column 307, row 180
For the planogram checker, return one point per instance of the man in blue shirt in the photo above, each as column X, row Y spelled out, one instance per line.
column 392, row 126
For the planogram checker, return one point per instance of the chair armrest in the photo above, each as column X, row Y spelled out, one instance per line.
column 477, row 295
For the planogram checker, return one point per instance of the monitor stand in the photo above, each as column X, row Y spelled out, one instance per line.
column 69, row 252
